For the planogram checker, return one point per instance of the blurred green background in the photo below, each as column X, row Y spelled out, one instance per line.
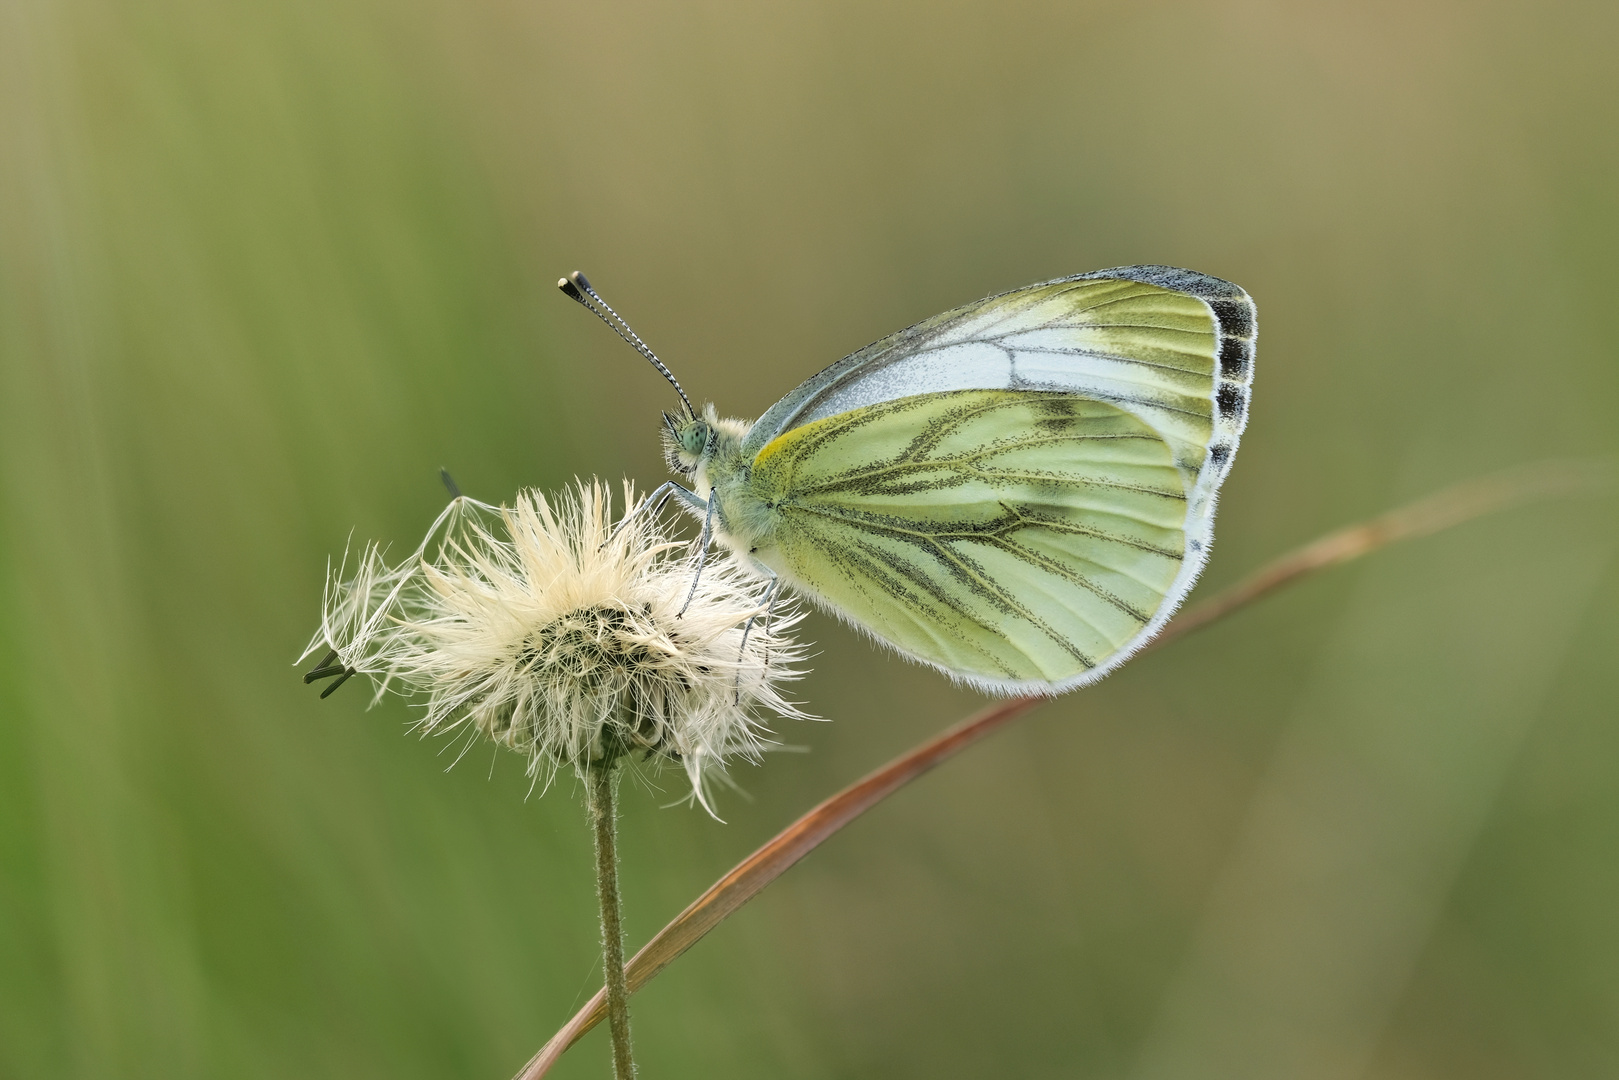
column 265, row 265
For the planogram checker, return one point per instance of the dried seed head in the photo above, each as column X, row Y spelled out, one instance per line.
column 545, row 630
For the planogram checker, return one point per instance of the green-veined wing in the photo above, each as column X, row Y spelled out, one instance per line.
column 1020, row 540
column 1171, row 345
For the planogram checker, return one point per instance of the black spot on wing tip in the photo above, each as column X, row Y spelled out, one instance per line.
column 1236, row 315
column 1231, row 400
column 1235, row 357
column 1220, row 455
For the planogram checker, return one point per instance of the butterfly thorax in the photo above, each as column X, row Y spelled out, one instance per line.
column 708, row 449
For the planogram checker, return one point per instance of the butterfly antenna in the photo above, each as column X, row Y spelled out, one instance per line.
column 577, row 286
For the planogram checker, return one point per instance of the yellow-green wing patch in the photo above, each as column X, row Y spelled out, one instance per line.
column 1171, row 346
column 1016, row 539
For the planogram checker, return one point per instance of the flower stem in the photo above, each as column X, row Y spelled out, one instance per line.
column 601, row 782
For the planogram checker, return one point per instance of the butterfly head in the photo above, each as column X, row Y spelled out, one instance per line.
column 685, row 440
column 697, row 446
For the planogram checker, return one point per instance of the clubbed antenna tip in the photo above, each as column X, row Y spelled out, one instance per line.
column 577, row 286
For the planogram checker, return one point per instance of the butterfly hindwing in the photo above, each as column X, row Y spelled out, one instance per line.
column 1017, row 539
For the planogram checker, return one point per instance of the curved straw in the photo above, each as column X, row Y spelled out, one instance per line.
column 1451, row 506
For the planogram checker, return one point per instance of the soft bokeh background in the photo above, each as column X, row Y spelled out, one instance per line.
column 266, row 265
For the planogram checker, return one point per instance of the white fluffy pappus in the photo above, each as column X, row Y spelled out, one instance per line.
column 545, row 630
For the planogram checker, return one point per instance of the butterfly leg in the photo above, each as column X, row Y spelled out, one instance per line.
column 654, row 504
column 771, row 594
column 702, row 548
column 691, row 502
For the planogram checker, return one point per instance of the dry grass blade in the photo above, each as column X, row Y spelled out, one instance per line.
column 1441, row 510
column 1430, row 514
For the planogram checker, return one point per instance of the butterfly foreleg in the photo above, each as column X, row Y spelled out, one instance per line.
column 654, row 504
column 691, row 502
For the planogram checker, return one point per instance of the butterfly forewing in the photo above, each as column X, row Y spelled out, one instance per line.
column 1154, row 340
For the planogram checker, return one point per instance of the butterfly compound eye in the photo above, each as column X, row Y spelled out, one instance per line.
column 694, row 437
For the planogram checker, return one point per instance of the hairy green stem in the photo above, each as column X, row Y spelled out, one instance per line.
column 601, row 782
